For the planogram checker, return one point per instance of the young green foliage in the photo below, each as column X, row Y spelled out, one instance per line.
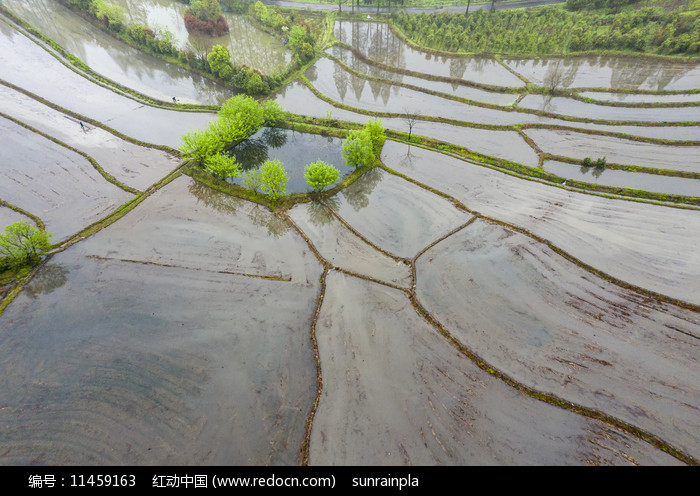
column 376, row 133
column 201, row 143
column 222, row 166
column 220, row 62
column 357, row 148
column 273, row 179
column 319, row 174
column 22, row 243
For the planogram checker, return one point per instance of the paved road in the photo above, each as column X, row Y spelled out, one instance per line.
column 452, row 8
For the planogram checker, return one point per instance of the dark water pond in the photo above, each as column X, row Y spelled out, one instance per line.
column 295, row 150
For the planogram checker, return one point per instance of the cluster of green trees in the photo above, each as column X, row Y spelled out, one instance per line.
column 363, row 146
column 300, row 39
column 555, row 30
column 22, row 244
column 239, row 118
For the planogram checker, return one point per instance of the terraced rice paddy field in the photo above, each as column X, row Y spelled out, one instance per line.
column 479, row 298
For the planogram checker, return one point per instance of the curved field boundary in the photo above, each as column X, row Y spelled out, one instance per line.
column 79, row 67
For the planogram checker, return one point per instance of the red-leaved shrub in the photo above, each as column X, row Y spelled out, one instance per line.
column 208, row 27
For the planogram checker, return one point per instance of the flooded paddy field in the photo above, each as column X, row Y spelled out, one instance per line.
column 297, row 98
column 470, row 93
column 625, row 179
column 649, row 246
column 131, row 164
column 610, row 72
column 396, row 393
column 640, row 98
column 619, row 151
column 377, row 42
column 540, row 319
column 381, row 325
column 9, row 216
column 577, row 108
column 21, row 60
column 404, row 219
column 54, row 183
column 139, row 347
column 294, row 150
column 246, row 43
column 114, row 59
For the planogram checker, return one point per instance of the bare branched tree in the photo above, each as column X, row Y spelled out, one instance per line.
column 555, row 76
column 411, row 117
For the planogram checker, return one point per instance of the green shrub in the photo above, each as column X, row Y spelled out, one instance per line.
column 222, row 166
column 376, row 133
column 357, row 148
column 22, row 243
column 272, row 112
column 273, row 179
column 319, row 174
column 200, row 144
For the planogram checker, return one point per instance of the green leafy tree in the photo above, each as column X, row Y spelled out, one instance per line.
column 376, row 134
column 254, row 85
column 112, row 15
column 222, row 166
column 273, row 179
column 272, row 112
column 200, row 144
column 243, row 115
column 220, row 62
column 357, row 148
column 22, row 243
column 319, row 174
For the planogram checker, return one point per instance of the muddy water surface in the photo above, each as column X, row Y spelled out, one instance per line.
column 553, row 326
column 615, row 150
column 625, row 179
column 133, row 165
column 470, row 93
column 143, row 347
column 640, row 98
column 609, row 72
column 577, row 108
column 397, row 393
column 25, row 64
column 650, row 246
column 343, row 248
column 396, row 215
